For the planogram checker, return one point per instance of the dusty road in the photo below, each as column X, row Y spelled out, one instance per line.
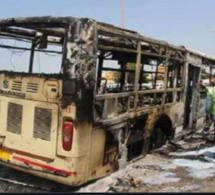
column 189, row 167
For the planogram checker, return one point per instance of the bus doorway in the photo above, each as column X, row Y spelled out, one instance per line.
column 192, row 98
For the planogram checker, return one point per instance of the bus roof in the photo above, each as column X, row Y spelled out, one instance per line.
column 20, row 21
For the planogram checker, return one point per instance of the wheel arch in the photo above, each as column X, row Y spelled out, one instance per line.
column 162, row 131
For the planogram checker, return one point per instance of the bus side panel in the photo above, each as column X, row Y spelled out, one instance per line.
column 97, row 151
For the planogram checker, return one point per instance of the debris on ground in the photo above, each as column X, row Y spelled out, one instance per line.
column 178, row 167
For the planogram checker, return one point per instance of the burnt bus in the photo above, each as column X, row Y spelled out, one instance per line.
column 59, row 120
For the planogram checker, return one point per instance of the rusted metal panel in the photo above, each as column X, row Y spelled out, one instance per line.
column 35, row 21
column 137, row 73
column 195, row 60
column 79, row 66
column 106, row 29
column 185, row 77
column 166, row 63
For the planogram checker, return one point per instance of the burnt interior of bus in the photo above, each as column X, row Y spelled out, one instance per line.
column 159, row 82
column 32, row 49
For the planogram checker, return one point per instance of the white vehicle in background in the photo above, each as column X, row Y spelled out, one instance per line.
column 147, row 85
column 159, row 85
column 205, row 82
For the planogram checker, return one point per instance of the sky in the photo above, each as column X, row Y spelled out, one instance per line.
column 181, row 22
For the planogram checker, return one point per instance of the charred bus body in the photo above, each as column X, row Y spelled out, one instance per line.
column 68, row 127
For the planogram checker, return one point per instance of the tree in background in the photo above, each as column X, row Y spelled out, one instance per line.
column 116, row 77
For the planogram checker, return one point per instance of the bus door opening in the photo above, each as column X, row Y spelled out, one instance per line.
column 191, row 105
